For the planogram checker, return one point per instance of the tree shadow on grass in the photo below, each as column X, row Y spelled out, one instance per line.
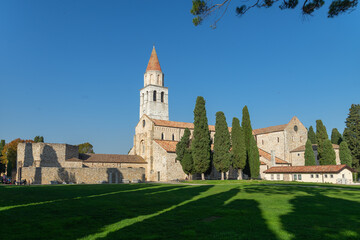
column 322, row 217
column 218, row 216
column 76, row 218
column 19, row 195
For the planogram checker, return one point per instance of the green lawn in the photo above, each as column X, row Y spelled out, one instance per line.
column 236, row 210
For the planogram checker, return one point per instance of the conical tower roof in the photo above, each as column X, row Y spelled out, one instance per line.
column 153, row 62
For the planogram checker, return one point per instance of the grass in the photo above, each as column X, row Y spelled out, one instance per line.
column 235, row 210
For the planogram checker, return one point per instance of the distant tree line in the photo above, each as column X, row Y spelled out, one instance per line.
column 237, row 150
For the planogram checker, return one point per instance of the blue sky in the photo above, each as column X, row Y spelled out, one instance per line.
column 71, row 70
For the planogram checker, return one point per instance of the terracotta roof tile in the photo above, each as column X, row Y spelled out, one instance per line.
column 277, row 128
column 262, row 163
column 309, row 169
column 153, row 62
column 109, row 158
column 268, row 157
column 314, row 146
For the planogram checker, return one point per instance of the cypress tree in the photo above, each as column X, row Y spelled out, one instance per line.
column 321, row 136
column 2, row 166
column 352, row 134
column 238, row 152
column 345, row 154
column 247, row 129
column 201, row 144
column 183, row 145
column 311, row 135
column 336, row 137
column 328, row 156
column 309, row 154
column 254, row 159
column 222, row 156
column 187, row 163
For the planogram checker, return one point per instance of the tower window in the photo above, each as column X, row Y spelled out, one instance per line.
column 162, row 136
column 173, row 137
column 154, row 96
column 162, row 96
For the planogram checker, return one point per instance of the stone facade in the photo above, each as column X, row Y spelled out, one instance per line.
column 43, row 163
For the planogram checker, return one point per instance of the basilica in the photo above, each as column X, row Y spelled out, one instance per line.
column 153, row 157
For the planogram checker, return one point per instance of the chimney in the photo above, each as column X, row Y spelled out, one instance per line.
column 273, row 163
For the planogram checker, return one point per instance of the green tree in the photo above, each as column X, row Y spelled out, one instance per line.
column 312, row 135
column 254, row 159
column 85, row 148
column 203, row 9
column 11, row 164
column 336, row 137
column 309, row 154
column 222, row 156
column 238, row 151
column 201, row 143
column 345, row 154
column 247, row 129
column 38, row 139
column 321, row 136
column 328, row 156
column 183, row 145
column 352, row 134
column 187, row 163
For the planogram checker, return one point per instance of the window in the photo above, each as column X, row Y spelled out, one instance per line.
column 142, row 147
column 162, row 136
column 343, row 176
column 278, row 139
column 331, row 176
column 162, row 96
column 312, row 175
column 278, row 176
column 325, row 175
column 299, row 176
column 173, row 137
column 154, row 96
column 272, row 176
column 298, row 154
column 317, row 175
column 295, row 177
column 143, row 123
column 262, row 142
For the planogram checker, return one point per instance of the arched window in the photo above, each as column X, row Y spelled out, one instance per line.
column 262, row 142
column 162, row 136
column 173, row 137
column 143, row 123
column 151, row 78
column 142, row 147
column 162, row 96
column 158, row 79
column 278, row 139
column 154, row 96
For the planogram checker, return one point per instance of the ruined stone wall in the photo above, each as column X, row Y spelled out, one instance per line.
column 45, row 175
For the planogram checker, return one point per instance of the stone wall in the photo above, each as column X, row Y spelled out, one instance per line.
column 272, row 141
column 45, row 175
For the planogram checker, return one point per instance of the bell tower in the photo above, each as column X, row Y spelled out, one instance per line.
column 154, row 96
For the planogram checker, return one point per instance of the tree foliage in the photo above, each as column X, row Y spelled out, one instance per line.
column 201, row 143
column 312, row 135
column 38, row 139
column 336, row 137
column 204, row 9
column 254, row 159
column 345, row 154
column 222, row 156
column 328, row 156
column 238, row 151
column 2, row 166
column 183, row 145
column 187, row 162
column 85, row 148
column 352, row 134
column 247, row 129
column 309, row 154
column 321, row 136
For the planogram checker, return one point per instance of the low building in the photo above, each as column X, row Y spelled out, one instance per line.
column 298, row 155
column 340, row 174
column 44, row 163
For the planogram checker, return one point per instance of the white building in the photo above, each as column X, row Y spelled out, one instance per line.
column 340, row 174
